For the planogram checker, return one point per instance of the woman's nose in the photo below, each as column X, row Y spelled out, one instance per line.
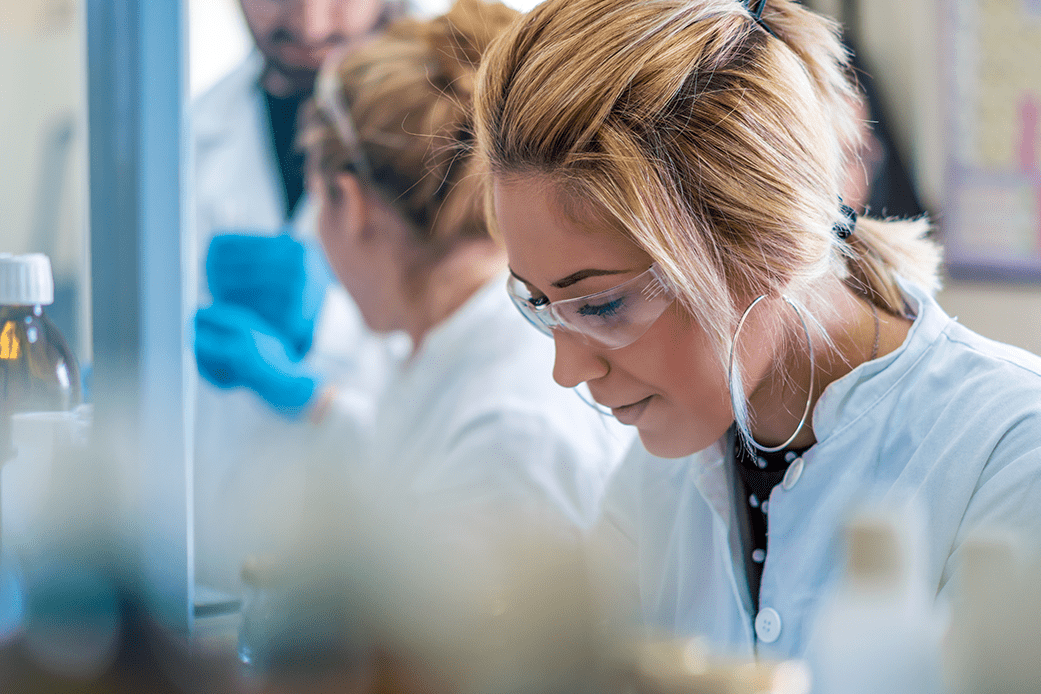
column 576, row 362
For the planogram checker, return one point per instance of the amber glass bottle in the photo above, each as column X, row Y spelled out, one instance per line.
column 37, row 370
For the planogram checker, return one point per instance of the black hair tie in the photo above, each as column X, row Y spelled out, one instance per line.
column 844, row 229
column 756, row 7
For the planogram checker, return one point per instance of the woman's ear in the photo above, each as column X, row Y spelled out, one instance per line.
column 348, row 203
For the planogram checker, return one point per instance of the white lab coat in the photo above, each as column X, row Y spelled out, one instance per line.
column 950, row 421
column 237, row 186
column 474, row 421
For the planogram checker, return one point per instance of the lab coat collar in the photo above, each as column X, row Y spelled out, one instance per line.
column 211, row 122
column 851, row 398
column 231, row 128
column 711, row 476
column 714, row 479
column 447, row 341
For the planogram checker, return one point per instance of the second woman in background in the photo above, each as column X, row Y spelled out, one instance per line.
column 472, row 421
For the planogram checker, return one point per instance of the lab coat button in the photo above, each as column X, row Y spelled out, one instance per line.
column 792, row 474
column 768, row 625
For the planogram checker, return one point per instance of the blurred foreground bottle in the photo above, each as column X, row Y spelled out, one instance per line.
column 994, row 644
column 37, row 370
column 881, row 631
column 689, row 666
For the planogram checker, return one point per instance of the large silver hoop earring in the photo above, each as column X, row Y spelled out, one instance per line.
column 746, row 433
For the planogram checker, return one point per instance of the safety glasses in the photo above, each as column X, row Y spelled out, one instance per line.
column 327, row 99
column 613, row 318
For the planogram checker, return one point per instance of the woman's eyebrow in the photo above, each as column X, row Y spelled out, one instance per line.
column 577, row 277
column 574, row 277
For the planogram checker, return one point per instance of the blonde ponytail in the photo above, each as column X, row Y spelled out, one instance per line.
column 880, row 251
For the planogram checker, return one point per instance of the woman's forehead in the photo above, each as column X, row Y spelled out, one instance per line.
column 548, row 242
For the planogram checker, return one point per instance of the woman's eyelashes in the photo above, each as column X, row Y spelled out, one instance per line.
column 605, row 310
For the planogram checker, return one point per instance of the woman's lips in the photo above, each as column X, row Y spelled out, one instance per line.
column 628, row 414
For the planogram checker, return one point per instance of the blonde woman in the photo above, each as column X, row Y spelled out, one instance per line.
column 666, row 179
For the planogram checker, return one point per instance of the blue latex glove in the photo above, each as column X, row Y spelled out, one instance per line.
column 236, row 347
column 277, row 277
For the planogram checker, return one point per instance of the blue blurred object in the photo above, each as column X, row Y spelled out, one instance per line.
column 236, row 347
column 278, row 277
column 72, row 618
column 87, row 381
column 12, row 597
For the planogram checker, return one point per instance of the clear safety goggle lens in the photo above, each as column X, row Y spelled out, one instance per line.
column 613, row 318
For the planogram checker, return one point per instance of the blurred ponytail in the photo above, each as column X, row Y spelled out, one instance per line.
column 408, row 93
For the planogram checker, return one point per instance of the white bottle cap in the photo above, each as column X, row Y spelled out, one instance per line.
column 26, row 280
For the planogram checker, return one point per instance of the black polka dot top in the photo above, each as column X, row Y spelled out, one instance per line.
column 757, row 473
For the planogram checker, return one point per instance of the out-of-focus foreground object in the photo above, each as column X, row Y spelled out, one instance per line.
column 368, row 594
column 881, row 630
column 687, row 667
column 393, row 597
column 87, row 621
column 358, row 595
column 88, row 630
column 994, row 642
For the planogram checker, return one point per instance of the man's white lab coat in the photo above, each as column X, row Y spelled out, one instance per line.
column 238, row 187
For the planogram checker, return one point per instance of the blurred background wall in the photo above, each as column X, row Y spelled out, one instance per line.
column 931, row 87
